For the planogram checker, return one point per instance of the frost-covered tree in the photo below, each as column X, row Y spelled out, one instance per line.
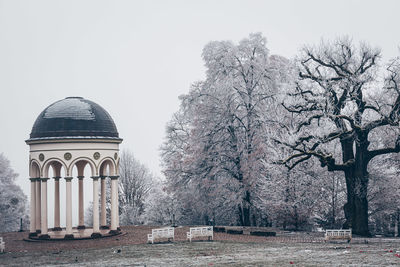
column 216, row 145
column 134, row 186
column 12, row 199
column 384, row 194
column 135, row 183
column 333, row 196
column 343, row 97
column 303, row 197
column 162, row 207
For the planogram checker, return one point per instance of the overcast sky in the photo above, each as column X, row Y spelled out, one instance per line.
column 135, row 58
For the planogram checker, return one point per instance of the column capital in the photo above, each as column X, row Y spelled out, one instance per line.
column 68, row 179
column 114, row 177
column 34, row 179
column 57, row 178
column 44, row 179
column 95, row 178
column 80, row 177
column 103, row 177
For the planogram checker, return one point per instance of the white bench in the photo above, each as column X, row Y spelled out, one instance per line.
column 161, row 233
column 2, row 245
column 200, row 232
column 338, row 234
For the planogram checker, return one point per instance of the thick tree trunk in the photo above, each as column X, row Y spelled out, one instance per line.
column 356, row 208
column 356, row 212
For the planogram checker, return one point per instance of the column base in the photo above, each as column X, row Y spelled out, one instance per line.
column 95, row 235
column 118, row 229
column 113, row 232
column 80, row 227
column 57, row 229
column 104, row 227
column 38, row 231
column 32, row 234
column 69, row 236
column 45, row 236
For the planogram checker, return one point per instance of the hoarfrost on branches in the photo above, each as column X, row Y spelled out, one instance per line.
column 319, row 113
column 12, row 199
column 340, row 99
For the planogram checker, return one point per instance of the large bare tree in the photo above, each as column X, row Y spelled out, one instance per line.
column 344, row 97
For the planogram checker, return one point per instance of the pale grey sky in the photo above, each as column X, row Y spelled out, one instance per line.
column 135, row 58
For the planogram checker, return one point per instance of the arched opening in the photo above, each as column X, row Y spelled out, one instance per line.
column 82, row 169
column 55, row 170
column 35, row 210
column 34, row 169
column 107, row 167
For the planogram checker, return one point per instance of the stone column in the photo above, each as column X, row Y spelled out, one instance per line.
column 81, row 224
column 32, row 224
column 103, row 219
column 38, row 206
column 114, row 205
column 44, row 226
column 68, row 233
column 96, row 228
column 57, row 204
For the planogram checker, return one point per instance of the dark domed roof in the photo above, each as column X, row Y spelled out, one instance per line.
column 74, row 117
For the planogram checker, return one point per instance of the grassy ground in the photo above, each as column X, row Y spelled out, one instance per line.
column 232, row 250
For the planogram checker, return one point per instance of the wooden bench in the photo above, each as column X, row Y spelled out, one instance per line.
column 338, row 234
column 2, row 245
column 167, row 232
column 206, row 231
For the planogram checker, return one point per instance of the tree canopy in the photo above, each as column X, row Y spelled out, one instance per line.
column 12, row 199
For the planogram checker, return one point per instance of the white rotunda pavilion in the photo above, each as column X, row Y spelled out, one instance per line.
column 73, row 132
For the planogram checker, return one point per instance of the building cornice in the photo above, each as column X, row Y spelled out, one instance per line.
column 74, row 139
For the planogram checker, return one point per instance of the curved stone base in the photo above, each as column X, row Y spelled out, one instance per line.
column 32, row 234
column 69, row 237
column 77, row 234
column 95, row 235
column 57, row 229
column 45, row 236
column 114, row 232
column 80, row 227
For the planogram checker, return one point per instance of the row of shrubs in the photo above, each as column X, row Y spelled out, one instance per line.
column 240, row 232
